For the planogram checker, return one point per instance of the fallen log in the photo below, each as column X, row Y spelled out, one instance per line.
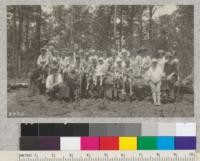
column 16, row 86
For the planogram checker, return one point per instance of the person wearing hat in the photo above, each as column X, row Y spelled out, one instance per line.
column 70, row 60
column 146, row 63
column 91, row 71
column 85, row 62
column 161, row 58
column 173, row 48
column 53, row 83
column 72, row 82
column 50, row 56
column 62, row 62
column 54, row 53
column 131, row 70
column 124, row 54
column 155, row 75
column 93, row 58
column 132, row 55
column 101, row 70
column 105, row 58
column 172, row 75
column 55, row 63
column 118, row 73
column 168, row 63
column 136, row 65
column 81, row 53
column 92, row 53
column 118, row 62
column 77, row 64
column 135, row 72
column 43, row 59
column 43, row 65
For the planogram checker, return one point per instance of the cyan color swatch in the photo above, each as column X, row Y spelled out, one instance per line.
column 165, row 143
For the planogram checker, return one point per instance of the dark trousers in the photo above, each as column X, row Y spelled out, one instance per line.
column 100, row 88
column 72, row 85
column 54, row 92
column 83, row 86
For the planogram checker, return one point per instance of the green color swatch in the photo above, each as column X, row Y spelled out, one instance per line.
column 147, row 143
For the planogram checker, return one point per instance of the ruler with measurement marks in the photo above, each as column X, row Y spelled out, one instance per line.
column 100, row 156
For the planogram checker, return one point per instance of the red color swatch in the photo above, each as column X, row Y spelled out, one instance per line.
column 109, row 143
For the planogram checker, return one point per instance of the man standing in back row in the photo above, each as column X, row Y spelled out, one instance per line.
column 43, row 65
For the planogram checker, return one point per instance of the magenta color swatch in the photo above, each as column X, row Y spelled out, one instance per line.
column 89, row 143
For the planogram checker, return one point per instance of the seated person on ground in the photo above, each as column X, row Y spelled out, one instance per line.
column 53, row 83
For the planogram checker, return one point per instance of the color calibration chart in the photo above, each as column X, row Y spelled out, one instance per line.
column 108, row 137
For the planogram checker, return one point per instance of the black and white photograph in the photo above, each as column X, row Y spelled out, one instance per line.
column 100, row 61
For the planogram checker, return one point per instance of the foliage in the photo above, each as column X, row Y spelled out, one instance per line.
column 60, row 27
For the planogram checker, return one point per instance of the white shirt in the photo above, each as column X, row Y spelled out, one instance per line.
column 162, row 62
column 138, row 61
column 43, row 60
column 123, row 64
column 106, row 62
column 63, row 63
column 70, row 61
column 118, row 71
column 146, row 62
column 50, row 56
column 101, row 69
column 155, row 74
column 136, row 66
column 50, row 81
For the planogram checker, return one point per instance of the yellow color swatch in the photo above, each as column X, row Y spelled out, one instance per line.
column 127, row 143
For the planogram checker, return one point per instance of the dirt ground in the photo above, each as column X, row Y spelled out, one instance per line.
column 21, row 105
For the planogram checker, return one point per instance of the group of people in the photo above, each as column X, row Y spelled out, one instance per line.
column 71, row 75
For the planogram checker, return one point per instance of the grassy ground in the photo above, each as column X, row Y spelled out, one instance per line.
column 20, row 104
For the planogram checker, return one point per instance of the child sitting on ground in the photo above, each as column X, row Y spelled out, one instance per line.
column 155, row 75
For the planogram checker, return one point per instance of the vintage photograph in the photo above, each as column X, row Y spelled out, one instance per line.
column 100, row 61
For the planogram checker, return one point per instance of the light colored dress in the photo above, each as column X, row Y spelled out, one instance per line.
column 154, row 76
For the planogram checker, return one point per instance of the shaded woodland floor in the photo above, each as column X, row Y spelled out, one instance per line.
column 22, row 105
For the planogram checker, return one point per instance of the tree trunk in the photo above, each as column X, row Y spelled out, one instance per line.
column 38, row 32
column 71, row 28
column 121, row 28
column 27, row 41
column 115, row 27
column 14, row 57
column 150, row 21
column 141, row 27
column 19, row 42
column 131, row 27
